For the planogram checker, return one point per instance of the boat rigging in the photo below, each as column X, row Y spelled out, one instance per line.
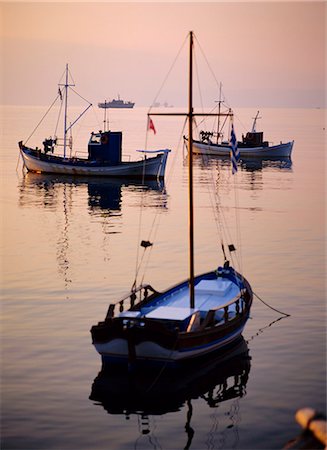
column 196, row 317
column 104, row 150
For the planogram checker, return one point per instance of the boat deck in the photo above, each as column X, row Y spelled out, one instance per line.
column 209, row 294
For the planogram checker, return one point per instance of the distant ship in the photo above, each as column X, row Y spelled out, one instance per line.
column 116, row 104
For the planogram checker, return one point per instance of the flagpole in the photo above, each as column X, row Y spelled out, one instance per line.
column 146, row 133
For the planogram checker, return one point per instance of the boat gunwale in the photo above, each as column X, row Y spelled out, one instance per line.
column 245, row 291
column 244, row 147
column 81, row 162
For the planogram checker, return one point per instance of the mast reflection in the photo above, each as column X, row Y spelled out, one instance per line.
column 102, row 194
column 161, row 390
column 246, row 164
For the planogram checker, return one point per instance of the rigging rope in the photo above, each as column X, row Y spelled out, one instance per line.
column 80, row 96
column 218, row 214
column 155, row 223
column 59, row 114
column 169, row 71
column 37, row 126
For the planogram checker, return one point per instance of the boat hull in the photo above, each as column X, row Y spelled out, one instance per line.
column 116, row 104
column 148, row 168
column 279, row 150
column 125, row 106
column 146, row 337
column 117, row 350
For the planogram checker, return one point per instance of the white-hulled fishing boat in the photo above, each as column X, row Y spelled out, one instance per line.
column 104, row 153
column 251, row 145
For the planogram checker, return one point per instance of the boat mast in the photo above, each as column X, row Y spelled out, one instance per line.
column 190, row 114
column 190, row 173
column 219, row 106
column 65, row 124
column 255, row 122
column 66, row 86
column 105, row 116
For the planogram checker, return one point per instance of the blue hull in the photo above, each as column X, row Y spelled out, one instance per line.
column 161, row 327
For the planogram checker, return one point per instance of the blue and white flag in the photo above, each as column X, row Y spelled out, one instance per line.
column 235, row 153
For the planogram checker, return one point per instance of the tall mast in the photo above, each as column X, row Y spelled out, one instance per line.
column 190, row 173
column 66, row 86
column 219, row 105
column 65, row 120
column 190, row 114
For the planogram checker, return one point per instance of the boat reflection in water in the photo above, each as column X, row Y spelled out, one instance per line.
column 69, row 197
column 246, row 163
column 162, row 389
column 103, row 194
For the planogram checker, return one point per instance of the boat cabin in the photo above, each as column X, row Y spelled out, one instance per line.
column 254, row 139
column 105, row 147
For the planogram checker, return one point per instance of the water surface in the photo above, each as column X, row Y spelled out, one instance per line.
column 69, row 249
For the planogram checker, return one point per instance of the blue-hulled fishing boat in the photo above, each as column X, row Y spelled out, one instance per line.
column 200, row 315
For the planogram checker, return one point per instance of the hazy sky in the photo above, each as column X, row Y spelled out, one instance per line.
column 264, row 53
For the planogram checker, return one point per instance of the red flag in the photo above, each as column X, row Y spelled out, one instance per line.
column 151, row 125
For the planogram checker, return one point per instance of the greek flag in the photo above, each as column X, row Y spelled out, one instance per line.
column 235, row 153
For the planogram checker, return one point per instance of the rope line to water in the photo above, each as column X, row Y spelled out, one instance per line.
column 274, row 309
column 261, row 330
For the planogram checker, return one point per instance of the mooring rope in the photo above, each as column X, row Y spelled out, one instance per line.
column 269, row 306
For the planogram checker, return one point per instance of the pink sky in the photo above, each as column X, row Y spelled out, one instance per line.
column 265, row 53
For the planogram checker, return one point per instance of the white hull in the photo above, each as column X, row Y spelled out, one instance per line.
column 280, row 150
column 153, row 167
column 118, row 349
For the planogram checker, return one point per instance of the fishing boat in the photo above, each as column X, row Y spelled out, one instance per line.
column 104, row 156
column 116, row 103
column 198, row 316
column 251, row 145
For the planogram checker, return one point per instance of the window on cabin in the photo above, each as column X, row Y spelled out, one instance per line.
column 95, row 138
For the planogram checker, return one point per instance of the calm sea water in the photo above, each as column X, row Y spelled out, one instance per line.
column 69, row 249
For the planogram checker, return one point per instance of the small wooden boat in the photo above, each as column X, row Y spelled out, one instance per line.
column 251, row 145
column 198, row 316
column 164, row 327
column 104, row 154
